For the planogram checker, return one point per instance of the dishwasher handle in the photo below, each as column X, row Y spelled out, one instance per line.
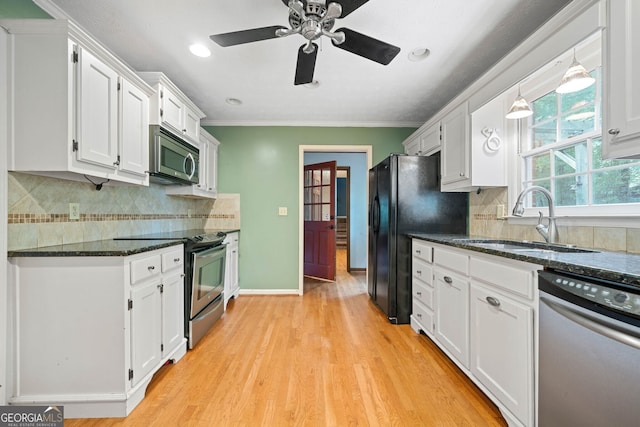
column 598, row 325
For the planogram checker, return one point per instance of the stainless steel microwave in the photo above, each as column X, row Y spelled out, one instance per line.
column 172, row 160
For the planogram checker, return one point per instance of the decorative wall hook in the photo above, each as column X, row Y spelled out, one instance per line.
column 493, row 142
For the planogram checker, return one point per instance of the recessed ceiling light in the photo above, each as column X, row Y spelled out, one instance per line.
column 200, row 50
column 418, row 54
column 233, row 101
column 313, row 85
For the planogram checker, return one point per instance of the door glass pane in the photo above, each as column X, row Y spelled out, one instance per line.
column 316, row 178
column 326, row 176
column 307, row 195
column 308, row 178
column 326, row 194
column 317, row 213
column 307, row 213
column 326, row 213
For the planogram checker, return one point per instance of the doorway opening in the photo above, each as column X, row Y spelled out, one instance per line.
column 343, row 226
column 358, row 201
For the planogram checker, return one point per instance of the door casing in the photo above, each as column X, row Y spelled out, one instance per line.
column 302, row 149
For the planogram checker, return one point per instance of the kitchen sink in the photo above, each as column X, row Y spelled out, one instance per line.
column 522, row 246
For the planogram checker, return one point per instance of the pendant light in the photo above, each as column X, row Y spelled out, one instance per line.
column 576, row 78
column 520, row 108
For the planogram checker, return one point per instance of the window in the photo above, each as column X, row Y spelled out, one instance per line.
column 562, row 152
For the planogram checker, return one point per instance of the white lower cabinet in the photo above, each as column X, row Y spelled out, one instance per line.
column 502, row 348
column 452, row 314
column 231, row 281
column 90, row 331
column 480, row 310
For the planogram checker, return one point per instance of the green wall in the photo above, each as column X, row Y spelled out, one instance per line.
column 21, row 9
column 261, row 164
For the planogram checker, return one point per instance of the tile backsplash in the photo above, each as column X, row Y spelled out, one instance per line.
column 483, row 221
column 39, row 211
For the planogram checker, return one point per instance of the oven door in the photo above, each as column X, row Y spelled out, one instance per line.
column 208, row 277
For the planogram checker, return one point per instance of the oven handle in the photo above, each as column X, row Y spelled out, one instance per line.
column 211, row 252
column 599, row 326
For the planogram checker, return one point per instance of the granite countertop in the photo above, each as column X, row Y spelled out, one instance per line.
column 111, row 247
column 96, row 248
column 613, row 266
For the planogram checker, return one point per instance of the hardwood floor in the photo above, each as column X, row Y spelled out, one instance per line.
column 329, row 358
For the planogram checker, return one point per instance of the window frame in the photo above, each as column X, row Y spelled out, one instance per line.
column 540, row 84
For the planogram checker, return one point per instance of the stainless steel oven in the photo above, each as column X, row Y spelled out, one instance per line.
column 207, row 286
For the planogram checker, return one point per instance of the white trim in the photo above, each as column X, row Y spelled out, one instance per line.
column 269, row 292
column 4, row 89
column 302, row 149
column 288, row 123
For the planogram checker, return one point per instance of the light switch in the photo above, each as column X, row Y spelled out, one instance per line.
column 282, row 211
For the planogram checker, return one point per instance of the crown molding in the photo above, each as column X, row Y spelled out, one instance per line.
column 287, row 123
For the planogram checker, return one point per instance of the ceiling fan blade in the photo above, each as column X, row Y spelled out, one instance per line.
column 367, row 47
column 306, row 65
column 349, row 6
column 246, row 36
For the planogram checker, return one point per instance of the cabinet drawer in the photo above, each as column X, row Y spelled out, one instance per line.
column 423, row 316
column 422, row 271
column 422, row 250
column 172, row 260
column 423, row 293
column 144, row 268
column 451, row 259
column 519, row 281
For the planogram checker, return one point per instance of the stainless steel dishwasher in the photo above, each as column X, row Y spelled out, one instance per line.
column 589, row 372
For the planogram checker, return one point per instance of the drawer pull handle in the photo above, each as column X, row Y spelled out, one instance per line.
column 419, row 293
column 419, row 272
column 419, row 315
column 448, row 279
column 176, row 260
column 151, row 268
column 418, row 251
column 495, row 302
column 614, row 132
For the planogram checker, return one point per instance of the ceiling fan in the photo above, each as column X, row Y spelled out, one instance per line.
column 313, row 19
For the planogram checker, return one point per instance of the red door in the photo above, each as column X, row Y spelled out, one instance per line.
column 319, row 220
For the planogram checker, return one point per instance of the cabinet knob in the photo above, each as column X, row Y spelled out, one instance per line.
column 495, row 302
column 184, row 130
column 614, row 132
column 448, row 279
column 176, row 260
column 151, row 268
column 461, row 173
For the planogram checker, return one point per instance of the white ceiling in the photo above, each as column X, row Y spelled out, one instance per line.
column 465, row 37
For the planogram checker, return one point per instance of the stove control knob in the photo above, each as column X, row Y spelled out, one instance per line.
column 620, row 298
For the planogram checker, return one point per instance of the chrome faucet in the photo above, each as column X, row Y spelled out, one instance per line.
column 550, row 231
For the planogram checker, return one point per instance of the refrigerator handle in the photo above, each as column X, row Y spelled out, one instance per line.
column 376, row 215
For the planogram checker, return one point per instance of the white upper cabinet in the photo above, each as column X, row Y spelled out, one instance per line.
column 424, row 142
column 621, row 129
column 76, row 109
column 173, row 109
column 455, row 147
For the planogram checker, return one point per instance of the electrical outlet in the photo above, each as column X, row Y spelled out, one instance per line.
column 189, row 212
column 500, row 212
column 74, row 210
column 282, row 211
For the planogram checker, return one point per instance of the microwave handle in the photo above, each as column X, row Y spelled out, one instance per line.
column 193, row 165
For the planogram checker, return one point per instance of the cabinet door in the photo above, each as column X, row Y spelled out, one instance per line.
column 621, row 131
column 455, row 146
column 134, row 129
column 145, row 328
column 191, row 124
column 172, row 312
column 171, row 110
column 412, row 147
column 430, row 139
column 502, row 349
column 211, row 171
column 452, row 314
column 96, row 111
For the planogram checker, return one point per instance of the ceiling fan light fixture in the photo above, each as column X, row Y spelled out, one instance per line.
column 200, row 50
column 233, row 101
column 520, row 108
column 575, row 79
column 419, row 54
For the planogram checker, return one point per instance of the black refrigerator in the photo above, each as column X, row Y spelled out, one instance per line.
column 404, row 197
